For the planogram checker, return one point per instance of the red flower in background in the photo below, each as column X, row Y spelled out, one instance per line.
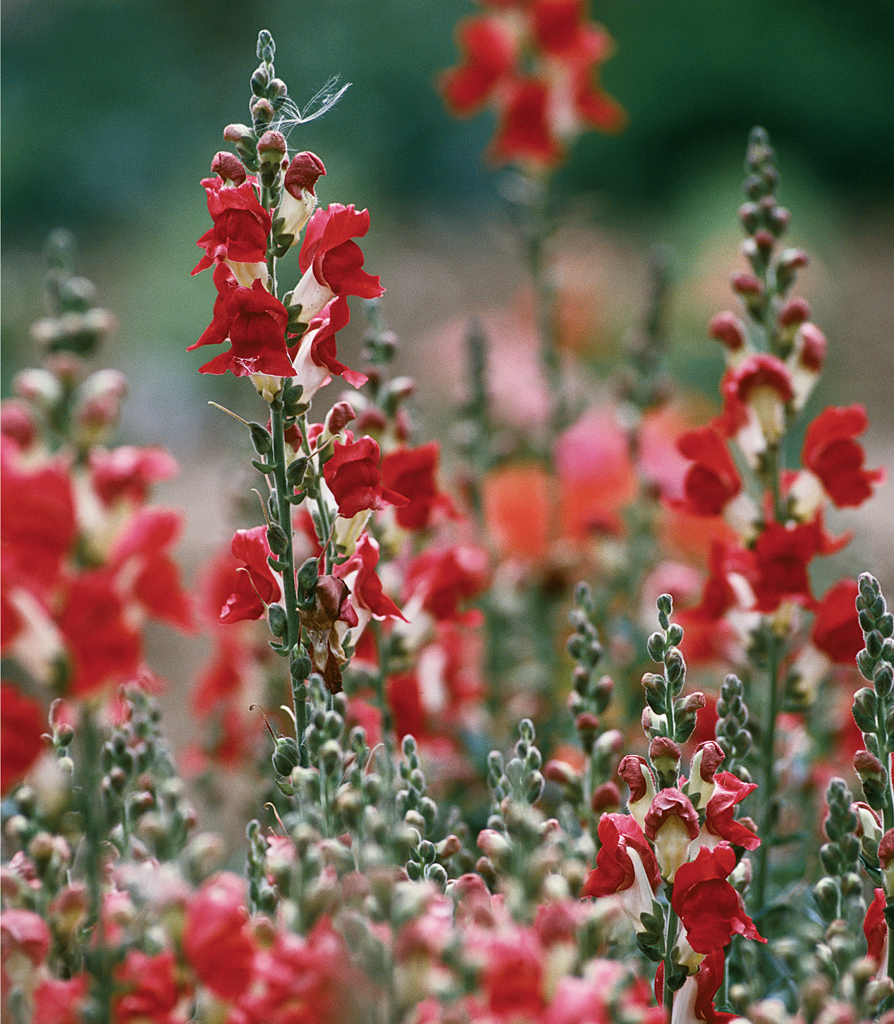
column 352, row 474
column 241, row 225
column 443, row 578
column 128, row 472
column 831, row 452
column 412, row 472
column 534, row 61
column 254, row 323
column 216, row 938
column 22, row 723
column 836, row 629
column 254, row 585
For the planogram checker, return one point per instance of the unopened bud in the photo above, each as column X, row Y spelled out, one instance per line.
column 229, row 167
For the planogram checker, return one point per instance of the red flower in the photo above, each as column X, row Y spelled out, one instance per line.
column 442, row 578
column 255, row 585
column 533, row 62
column 781, row 556
column 713, row 479
column 254, row 322
column 330, row 262
column 756, row 390
column 876, row 929
column 614, row 869
column 831, row 452
column 60, row 1002
column 729, row 791
column 836, row 628
column 128, row 472
column 104, row 647
column 216, row 938
column 708, row 906
column 411, row 472
column 315, row 356
column 241, row 225
column 366, row 587
column 22, row 724
column 352, row 474
column 152, row 991
column 141, row 550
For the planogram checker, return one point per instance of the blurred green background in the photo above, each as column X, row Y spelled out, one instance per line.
column 113, row 110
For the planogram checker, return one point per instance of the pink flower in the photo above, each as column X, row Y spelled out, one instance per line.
column 254, row 323
column 255, row 585
column 152, row 990
column 241, row 225
column 352, row 474
column 832, row 454
column 60, row 1002
column 127, row 472
column 709, row 908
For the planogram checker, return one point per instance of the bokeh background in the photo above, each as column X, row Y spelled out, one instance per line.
column 113, row 109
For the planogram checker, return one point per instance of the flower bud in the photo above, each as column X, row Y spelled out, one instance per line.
column 229, row 167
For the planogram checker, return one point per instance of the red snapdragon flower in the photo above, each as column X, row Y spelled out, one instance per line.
column 534, row 62
column 442, row 578
column 152, row 989
column 359, row 571
column 836, row 629
column 412, row 472
column 755, row 392
column 832, row 454
column 241, row 225
column 60, row 1002
column 331, row 262
column 254, row 323
column 709, row 908
column 22, row 724
column 216, row 938
column 255, row 586
column 695, row 1000
column 352, row 474
column 615, row 871
column 781, row 556
column 875, row 928
column 712, row 480
column 671, row 822
column 315, row 356
column 728, row 792
column 128, row 472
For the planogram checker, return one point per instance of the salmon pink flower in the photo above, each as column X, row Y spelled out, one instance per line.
column 709, row 908
column 241, row 225
column 254, row 323
column 330, row 262
column 352, row 474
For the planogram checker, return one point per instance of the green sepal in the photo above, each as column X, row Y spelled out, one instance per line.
column 276, row 564
column 264, row 467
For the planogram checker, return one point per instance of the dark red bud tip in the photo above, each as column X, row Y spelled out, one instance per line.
column 663, row 747
column 794, row 313
column 229, row 167
column 605, row 797
column 302, row 174
column 746, row 284
column 727, row 328
column 340, row 415
column 274, row 141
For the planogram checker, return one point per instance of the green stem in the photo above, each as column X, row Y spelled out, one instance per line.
column 767, row 790
column 669, row 941
column 388, row 736
column 290, row 595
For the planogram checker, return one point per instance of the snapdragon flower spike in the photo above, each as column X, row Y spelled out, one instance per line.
column 331, row 262
column 352, row 474
column 241, row 225
column 535, row 64
column 254, row 323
